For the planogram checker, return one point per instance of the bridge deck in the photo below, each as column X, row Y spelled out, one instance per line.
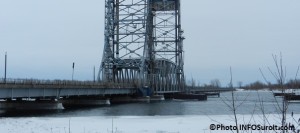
column 208, row 89
column 31, row 88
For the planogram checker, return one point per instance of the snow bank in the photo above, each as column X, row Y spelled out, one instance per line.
column 132, row 124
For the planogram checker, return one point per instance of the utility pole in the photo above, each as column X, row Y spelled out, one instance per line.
column 5, row 68
column 73, row 71
column 94, row 74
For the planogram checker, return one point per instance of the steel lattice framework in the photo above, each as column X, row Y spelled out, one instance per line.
column 143, row 44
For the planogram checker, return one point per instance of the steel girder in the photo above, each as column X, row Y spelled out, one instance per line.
column 143, row 44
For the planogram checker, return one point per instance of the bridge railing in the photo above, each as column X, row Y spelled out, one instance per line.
column 207, row 89
column 63, row 83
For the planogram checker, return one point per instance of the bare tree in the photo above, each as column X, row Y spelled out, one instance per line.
column 215, row 83
column 233, row 102
column 232, row 105
column 280, row 76
column 240, row 84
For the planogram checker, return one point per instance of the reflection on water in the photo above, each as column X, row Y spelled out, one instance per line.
column 248, row 102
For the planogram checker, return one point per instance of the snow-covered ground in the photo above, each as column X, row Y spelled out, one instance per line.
column 134, row 124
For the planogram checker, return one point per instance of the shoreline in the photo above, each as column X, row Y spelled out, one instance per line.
column 130, row 124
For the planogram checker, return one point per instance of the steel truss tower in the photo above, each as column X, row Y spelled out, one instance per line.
column 143, row 45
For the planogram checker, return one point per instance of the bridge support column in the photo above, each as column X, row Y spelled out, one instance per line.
column 157, row 98
column 129, row 99
column 84, row 102
column 32, row 104
column 133, row 99
column 186, row 96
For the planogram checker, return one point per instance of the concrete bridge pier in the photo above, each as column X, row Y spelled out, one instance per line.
column 117, row 99
column 186, row 96
column 88, row 101
column 157, row 98
column 30, row 104
column 134, row 98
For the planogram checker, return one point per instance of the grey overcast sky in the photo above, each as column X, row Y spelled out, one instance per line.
column 44, row 37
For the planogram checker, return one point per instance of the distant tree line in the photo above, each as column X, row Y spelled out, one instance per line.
column 257, row 85
column 291, row 84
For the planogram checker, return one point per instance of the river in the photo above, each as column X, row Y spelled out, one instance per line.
column 247, row 102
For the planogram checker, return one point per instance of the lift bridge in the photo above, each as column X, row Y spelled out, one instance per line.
column 143, row 45
column 142, row 56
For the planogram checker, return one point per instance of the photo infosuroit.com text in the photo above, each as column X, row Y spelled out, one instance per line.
column 252, row 127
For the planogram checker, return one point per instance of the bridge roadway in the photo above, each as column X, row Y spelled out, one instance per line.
column 32, row 88
column 207, row 89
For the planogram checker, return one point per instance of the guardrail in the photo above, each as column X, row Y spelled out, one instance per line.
column 28, row 88
column 208, row 89
column 62, row 83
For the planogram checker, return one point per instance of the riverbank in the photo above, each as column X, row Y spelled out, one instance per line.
column 134, row 124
